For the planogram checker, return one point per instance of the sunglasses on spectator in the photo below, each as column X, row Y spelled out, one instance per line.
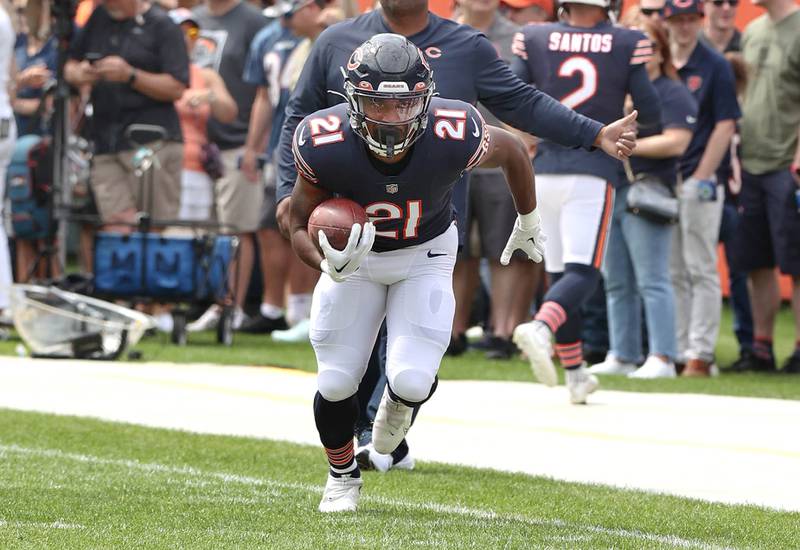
column 192, row 32
column 731, row 3
column 649, row 12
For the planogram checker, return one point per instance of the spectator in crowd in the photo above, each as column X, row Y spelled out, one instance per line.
column 720, row 33
column 206, row 97
column 491, row 209
column 307, row 19
column 8, row 135
column 471, row 71
column 637, row 261
column 770, row 228
column 575, row 187
column 652, row 9
column 134, row 58
column 264, row 68
column 522, row 12
column 35, row 53
column 694, row 252
column 227, row 28
column 720, row 30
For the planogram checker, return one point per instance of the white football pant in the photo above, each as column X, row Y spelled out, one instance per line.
column 576, row 214
column 413, row 289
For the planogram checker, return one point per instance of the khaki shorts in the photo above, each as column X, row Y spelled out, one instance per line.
column 116, row 187
column 238, row 200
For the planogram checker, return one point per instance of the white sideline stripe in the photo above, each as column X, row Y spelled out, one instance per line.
column 476, row 513
column 58, row 524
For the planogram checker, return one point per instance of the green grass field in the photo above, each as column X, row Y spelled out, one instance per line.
column 77, row 483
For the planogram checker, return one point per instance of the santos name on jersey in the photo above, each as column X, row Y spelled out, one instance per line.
column 409, row 201
column 590, row 70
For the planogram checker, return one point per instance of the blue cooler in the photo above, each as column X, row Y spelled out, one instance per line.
column 118, row 264
column 170, row 265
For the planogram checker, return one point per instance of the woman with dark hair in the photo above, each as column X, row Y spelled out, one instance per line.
column 638, row 255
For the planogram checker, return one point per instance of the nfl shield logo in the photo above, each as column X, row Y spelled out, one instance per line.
column 391, row 188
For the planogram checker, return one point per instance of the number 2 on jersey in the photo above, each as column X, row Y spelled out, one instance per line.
column 381, row 212
column 588, row 87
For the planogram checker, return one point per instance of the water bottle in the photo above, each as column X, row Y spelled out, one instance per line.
column 707, row 190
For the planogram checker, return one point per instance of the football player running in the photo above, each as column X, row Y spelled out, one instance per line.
column 398, row 151
column 467, row 68
column 590, row 65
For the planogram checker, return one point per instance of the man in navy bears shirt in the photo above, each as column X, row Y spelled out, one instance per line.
column 398, row 151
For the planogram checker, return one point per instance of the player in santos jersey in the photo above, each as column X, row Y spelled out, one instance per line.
column 398, row 151
column 589, row 65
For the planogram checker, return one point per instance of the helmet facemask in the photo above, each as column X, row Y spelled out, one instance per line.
column 389, row 122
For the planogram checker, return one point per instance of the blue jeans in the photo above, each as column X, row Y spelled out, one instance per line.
column 739, row 294
column 636, row 270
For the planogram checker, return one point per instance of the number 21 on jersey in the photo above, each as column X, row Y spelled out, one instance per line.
column 382, row 212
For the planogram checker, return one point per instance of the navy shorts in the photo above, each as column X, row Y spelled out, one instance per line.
column 769, row 232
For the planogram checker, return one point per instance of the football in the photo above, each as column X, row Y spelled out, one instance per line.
column 335, row 217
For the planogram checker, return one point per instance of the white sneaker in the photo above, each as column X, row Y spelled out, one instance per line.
column 655, row 367
column 370, row 459
column 612, row 365
column 207, row 321
column 297, row 333
column 391, row 425
column 239, row 318
column 164, row 322
column 341, row 494
column 580, row 384
column 534, row 340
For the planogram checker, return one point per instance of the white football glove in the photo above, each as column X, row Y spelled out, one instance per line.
column 340, row 264
column 527, row 235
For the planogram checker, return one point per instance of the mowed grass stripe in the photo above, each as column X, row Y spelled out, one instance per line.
column 158, row 488
column 438, row 508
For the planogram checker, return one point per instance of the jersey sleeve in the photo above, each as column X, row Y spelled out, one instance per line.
column 478, row 139
column 519, row 63
column 642, row 50
column 302, row 152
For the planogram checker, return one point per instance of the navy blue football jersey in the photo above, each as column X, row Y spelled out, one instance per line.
column 409, row 201
column 465, row 66
column 590, row 70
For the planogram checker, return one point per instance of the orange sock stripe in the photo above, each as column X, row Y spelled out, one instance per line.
column 552, row 314
column 602, row 235
column 348, row 445
column 567, row 347
column 570, row 355
column 341, row 456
